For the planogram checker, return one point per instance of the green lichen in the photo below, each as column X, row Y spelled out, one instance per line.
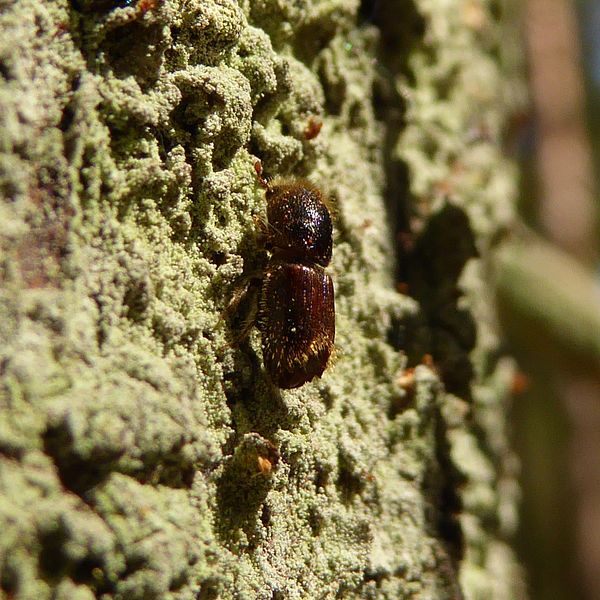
column 130, row 425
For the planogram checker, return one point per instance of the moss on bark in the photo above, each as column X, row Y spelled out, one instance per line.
column 130, row 429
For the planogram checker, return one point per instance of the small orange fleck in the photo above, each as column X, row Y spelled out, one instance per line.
column 520, row 383
column 366, row 224
column 427, row 360
column 407, row 379
column 313, row 128
column 267, row 463
column 265, row 466
column 264, row 182
column 144, row 6
column 402, row 288
column 61, row 29
column 369, row 476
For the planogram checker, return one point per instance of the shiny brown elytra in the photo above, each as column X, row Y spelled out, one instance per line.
column 296, row 311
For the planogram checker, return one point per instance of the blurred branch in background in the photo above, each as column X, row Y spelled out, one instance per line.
column 566, row 183
column 551, row 302
column 555, row 293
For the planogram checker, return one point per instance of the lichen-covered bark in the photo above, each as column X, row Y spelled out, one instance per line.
column 133, row 433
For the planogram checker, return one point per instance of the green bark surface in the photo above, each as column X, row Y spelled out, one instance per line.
column 130, row 427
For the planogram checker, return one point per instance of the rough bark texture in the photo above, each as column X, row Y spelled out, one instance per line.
column 132, row 433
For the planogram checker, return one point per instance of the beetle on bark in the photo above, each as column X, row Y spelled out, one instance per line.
column 296, row 311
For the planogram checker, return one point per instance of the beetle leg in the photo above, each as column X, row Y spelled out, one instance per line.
column 246, row 290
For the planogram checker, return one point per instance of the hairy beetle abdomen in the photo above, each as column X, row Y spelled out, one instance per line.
column 297, row 322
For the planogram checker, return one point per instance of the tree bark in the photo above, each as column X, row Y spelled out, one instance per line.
column 142, row 453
